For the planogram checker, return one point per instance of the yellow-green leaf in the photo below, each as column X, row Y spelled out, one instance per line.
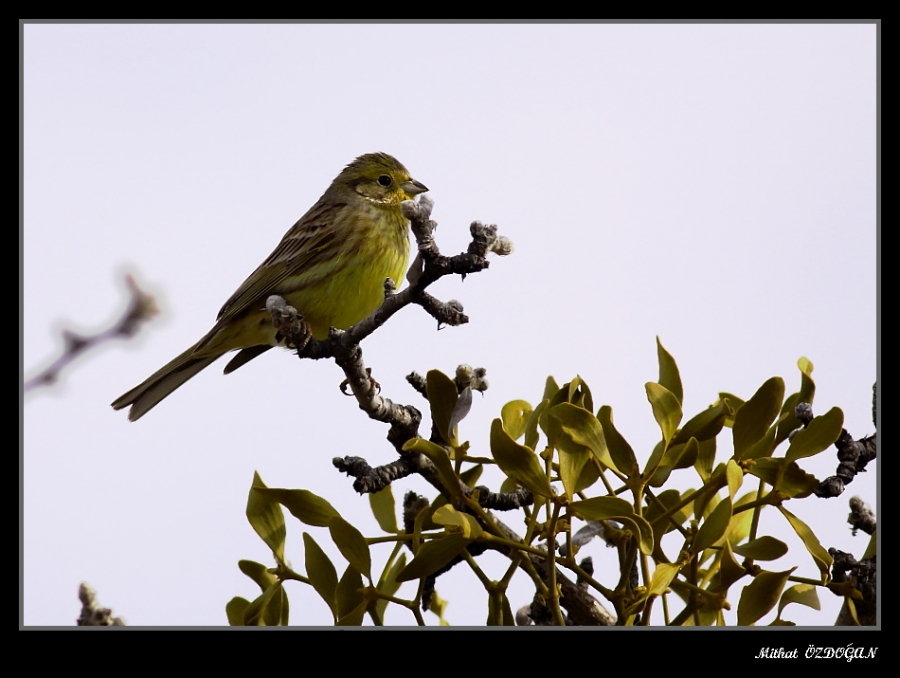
column 531, row 429
column 515, row 415
column 713, row 527
column 804, row 395
column 268, row 608
column 518, row 462
column 389, row 584
column 823, row 560
column 382, row 504
column 752, row 420
column 449, row 517
column 303, row 505
column 666, row 409
column 352, row 545
column 349, row 600
column 442, row 397
column 438, row 457
column 321, row 572
column 234, row 610
column 706, row 425
column 551, row 388
column 619, row 450
column 730, row 570
column 471, row 475
column 583, row 428
column 804, row 594
column 760, row 596
column 602, row 508
column 258, row 572
column 785, row 476
column 735, row 477
column 763, row 548
column 706, row 457
column 266, row 518
column 819, row 435
column 433, row 555
column 675, row 457
column 662, row 577
column 669, row 376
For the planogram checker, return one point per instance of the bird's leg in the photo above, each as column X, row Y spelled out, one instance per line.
column 289, row 325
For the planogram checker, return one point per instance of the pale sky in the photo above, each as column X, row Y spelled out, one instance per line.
column 713, row 185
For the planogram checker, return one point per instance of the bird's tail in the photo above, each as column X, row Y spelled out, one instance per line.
column 161, row 383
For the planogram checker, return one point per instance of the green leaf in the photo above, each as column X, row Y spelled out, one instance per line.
column 234, row 610
column 752, row 420
column 579, row 436
column 804, row 594
column 584, row 429
column 433, row 555
column 676, row 456
column 713, row 528
column 763, row 548
column 551, row 388
column 304, row 505
column 518, row 462
column 352, row 545
column 351, row 605
column 669, row 377
column 734, row 404
column 269, row 609
column 266, row 518
column 442, row 397
column 706, row 457
column 662, row 577
column 764, row 447
column 471, row 476
column 706, row 425
column 449, row 517
column 666, row 409
column 389, row 584
column 804, row 395
column 579, row 394
column 515, row 415
column 668, row 499
column 734, row 476
column 382, row 504
column 321, row 572
column 258, row 572
column 531, row 429
column 760, row 596
column 785, row 476
column 821, row 433
column 730, row 570
column 602, row 508
column 440, row 459
column 821, row 557
column 619, row 450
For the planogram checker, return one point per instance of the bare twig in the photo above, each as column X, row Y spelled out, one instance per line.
column 141, row 307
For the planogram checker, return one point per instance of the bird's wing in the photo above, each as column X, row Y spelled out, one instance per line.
column 309, row 240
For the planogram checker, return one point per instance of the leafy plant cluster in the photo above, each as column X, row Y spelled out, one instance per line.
column 566, row 462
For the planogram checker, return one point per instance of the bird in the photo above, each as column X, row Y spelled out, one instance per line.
column 331, row 266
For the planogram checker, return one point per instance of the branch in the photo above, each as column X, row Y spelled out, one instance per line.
column 141, row 307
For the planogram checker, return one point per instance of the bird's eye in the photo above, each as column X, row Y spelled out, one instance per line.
column 385, row 180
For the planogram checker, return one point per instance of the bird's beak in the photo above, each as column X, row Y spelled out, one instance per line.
column 413, row 187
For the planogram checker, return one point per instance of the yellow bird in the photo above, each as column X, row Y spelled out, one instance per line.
column 330, row 266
